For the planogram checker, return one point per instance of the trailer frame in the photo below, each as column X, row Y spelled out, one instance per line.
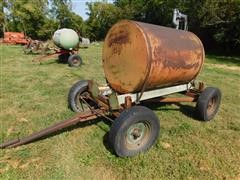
column 104, row 102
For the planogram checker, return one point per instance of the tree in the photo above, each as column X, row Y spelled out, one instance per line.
column 28, row 16
column 215, row 22
column 40, row 19
column 3, row 4
column 62, row 12
column 102, row 16
column 221, row 19
column 133, row 9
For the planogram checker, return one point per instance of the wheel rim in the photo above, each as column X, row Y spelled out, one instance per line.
column 76, row 62
column 80, row 104
column 212, row 105
column 137, row 135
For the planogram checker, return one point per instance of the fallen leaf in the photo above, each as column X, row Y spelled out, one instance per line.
column 10, row 130
column 23, row 120
column 166, row 145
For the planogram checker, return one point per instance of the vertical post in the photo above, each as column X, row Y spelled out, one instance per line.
column 180, row 20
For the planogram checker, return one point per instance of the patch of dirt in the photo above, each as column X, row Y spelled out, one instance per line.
column 22, row 120
column 102, row 173
column 224, row 66
column 203, row 166
column 2, row 170
column 15, row 163
column 29, row 162
column 9, row 163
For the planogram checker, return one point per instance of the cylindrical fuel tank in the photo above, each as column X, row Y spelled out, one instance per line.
column 66, row 38
column 137, row 54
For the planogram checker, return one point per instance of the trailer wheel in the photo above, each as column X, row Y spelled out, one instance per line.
column 208, row 103
column 134, row 131
column 74, row 60
column 78, row 91
column 63, row 58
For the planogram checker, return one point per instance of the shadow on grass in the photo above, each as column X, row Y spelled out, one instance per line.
column 48, row 62
column 106, row 137
column 186, row 109
column 107, row 144
column 224, row 59
column 55, row 61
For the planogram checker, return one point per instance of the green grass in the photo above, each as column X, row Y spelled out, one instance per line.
column 34, row 96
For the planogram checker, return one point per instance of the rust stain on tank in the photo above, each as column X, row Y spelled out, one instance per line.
column 118, row 39
column 180, row 64
column 176, row 60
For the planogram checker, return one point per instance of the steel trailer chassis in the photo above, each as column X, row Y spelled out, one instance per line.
column 135, row 128
column 64, row 56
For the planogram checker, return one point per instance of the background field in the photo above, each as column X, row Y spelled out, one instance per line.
column 34, row 96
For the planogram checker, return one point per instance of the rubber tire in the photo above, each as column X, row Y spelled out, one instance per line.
column 203, row 100
column 79, row 87
column 74, row 57
column 121, row 124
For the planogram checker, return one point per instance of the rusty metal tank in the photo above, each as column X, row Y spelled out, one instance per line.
column 139, row 56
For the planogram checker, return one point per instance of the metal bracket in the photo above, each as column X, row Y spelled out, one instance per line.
column 180, row 20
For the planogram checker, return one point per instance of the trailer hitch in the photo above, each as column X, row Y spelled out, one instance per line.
column 80, row 117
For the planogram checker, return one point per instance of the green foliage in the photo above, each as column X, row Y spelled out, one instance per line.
column 216, row 22
column 2, row 17
column 101, row 17
column 61, row 11
column 222, row 18
column 39, row 19
column 133, row 9
column 27, row 16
